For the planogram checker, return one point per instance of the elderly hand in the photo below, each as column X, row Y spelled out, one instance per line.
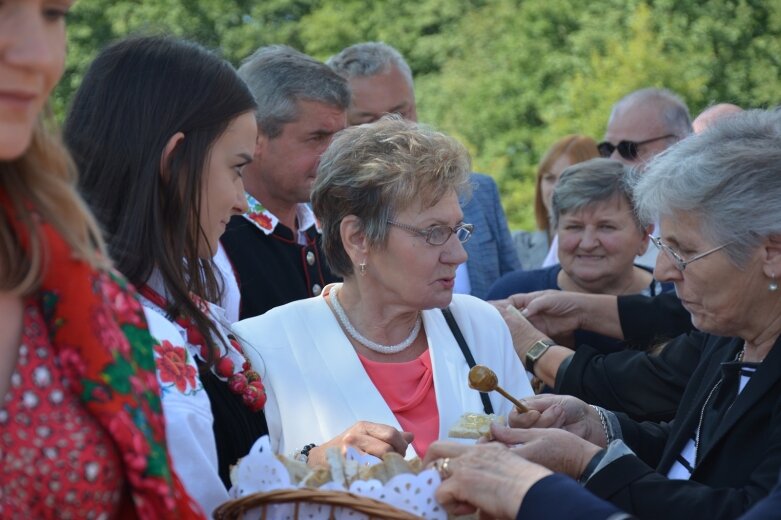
column 555, row 411
column 557, row 450
column 556, row 313
column 487, row 477
column 523, row 333
column 372, row 438
column 560, row 313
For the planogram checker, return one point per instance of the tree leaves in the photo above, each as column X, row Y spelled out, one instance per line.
column 507, row 77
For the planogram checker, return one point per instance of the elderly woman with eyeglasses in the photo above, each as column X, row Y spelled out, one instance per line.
column 378, row 347
column 716, row 196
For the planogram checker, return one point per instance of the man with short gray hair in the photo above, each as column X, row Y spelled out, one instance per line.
column 641, row 125
column 274, row 248
column 381, row 83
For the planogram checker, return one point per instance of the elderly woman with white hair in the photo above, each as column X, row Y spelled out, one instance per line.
column 717, row 198
column 381, row 347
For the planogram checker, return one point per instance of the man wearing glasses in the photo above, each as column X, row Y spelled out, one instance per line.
column 641, row 125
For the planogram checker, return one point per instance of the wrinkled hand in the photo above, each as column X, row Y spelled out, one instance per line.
column 487, row 477
column 555, row 313
column 557, row 450
column 372, row 438
column 555, row 411
column 523, row 333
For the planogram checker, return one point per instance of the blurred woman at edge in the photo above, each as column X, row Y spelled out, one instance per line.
column 80, row 428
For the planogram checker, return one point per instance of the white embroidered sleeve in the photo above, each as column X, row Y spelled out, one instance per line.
column 188, row 416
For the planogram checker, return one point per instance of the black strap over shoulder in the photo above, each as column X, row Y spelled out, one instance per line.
column 451, row 322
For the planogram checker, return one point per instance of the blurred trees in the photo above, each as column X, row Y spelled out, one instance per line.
column 507, row 77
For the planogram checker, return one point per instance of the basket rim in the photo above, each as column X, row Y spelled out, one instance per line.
column 232, row 509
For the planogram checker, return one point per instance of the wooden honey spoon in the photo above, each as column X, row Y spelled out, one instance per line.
column 484, row 379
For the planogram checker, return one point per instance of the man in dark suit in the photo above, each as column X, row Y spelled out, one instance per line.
column 381, row 83
column 274, row 248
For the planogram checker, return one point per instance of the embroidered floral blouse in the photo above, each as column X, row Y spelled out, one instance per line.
column 187, row 406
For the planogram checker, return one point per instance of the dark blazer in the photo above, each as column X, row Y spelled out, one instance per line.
column 491, row 250
column 646, row 321
column 740, row 457
column 559, row 497
column 769, row 507
column 647, row 387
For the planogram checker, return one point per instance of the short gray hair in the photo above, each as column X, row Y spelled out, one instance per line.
column 729, row 178
column 589, row 182
column 376, row 170
column 279, row 77
column 367, row 59
column 674, row 113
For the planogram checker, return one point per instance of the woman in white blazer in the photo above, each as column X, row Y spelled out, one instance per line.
column 378, row 347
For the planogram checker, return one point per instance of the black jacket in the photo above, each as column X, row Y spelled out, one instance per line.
column 645, row 385
column 740, row 456
column 274, row 269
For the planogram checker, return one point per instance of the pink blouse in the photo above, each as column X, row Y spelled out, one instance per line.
column 408, row 389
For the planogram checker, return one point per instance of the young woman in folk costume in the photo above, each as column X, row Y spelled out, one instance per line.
column 162, row 129
column 81, row 431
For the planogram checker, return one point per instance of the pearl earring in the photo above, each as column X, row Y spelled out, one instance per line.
column 773, row 285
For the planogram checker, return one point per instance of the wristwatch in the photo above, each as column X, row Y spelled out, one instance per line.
column 535, row 352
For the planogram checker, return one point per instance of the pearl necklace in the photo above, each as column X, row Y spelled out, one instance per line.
column 366, row 342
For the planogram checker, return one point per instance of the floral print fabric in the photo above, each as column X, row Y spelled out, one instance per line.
column 91, row 346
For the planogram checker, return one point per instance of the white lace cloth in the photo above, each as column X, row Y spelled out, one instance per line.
column 261, row 472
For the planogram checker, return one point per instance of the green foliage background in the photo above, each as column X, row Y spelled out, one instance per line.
column 507, row 77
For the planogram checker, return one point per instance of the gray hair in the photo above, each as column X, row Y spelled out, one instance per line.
column 674, row 113
column 729, row 178
column 280, row 76
column 367, row 59
column 589, row 182
column 376, row 170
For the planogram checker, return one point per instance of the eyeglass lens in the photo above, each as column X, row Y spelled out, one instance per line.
column 441, row 234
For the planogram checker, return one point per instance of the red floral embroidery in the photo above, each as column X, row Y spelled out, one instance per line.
column 172, row 366
column 73, row 367
column 122, row 428
column 105, row 327
column 95, row 394
column 262, row 220
column 124, row 303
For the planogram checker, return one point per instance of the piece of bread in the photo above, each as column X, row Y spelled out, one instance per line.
column 297, row 469
column 474, row 425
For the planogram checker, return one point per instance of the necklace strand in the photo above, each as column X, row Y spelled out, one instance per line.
column 366, row 342
column 244, row 382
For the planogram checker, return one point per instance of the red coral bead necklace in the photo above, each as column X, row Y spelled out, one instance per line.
column 246, row 382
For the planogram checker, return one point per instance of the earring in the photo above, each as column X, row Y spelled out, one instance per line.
column 362, row 268
column 773, row 285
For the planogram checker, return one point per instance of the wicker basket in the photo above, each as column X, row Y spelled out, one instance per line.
column 234, row 509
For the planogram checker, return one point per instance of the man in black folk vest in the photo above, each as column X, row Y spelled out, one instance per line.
column 274, row 248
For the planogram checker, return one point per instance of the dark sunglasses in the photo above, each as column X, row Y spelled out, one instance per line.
column 627, row 149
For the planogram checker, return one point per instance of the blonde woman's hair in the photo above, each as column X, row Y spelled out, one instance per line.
column 41, row 186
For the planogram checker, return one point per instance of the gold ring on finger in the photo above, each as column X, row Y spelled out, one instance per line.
column 443, row 467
